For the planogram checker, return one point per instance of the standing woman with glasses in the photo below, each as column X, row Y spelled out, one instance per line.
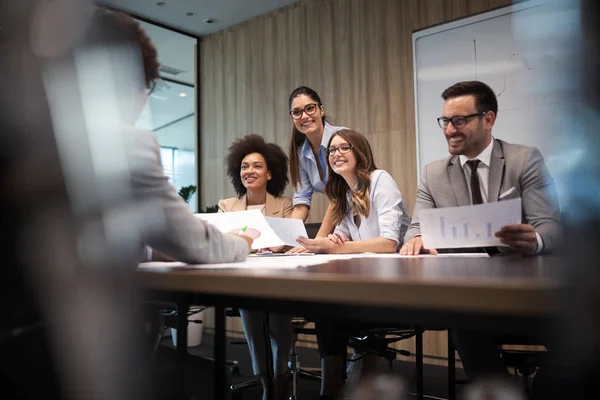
column 308, row 159
column 370, row 215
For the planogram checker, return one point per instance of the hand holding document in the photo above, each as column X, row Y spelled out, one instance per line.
column 265, row 231
column 468, row 226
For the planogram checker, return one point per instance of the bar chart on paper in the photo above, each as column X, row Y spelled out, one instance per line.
column 468, row 226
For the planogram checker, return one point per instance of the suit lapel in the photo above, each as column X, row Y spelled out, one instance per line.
column 240, row 205
column 458, row 182
column 271, row 206
column 496, row 171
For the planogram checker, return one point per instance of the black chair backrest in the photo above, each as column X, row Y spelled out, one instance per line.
column 312, row 229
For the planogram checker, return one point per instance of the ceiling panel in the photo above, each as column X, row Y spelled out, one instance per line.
column 226, row 13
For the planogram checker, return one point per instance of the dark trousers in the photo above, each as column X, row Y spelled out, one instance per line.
column 332, row 335
column 480, row 353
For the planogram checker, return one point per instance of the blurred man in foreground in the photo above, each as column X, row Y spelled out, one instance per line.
column 81, row 192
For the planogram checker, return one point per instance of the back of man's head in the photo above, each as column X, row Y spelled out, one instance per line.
column 485, row 98
column 118, row 29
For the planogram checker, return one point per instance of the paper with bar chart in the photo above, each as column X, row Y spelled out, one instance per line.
column 467, row 226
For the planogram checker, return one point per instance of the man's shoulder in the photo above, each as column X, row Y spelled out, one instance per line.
column 440, row 165
column 514, row 150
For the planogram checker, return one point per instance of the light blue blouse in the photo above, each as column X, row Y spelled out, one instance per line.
column 310, row 181
column 388, row 216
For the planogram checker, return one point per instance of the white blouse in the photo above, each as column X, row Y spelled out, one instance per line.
column 388, row 216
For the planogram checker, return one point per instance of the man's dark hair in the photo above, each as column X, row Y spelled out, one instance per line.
column 110, row 28
column 485, row 98
column 277, row 163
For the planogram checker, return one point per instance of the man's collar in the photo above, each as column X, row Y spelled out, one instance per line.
column 485, row 156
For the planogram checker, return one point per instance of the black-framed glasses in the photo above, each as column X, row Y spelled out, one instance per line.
column 458, row 121
column 152, row 87
column 309, row 109
column 342, row 148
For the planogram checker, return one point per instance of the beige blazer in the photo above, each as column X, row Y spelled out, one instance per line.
column 275, row 206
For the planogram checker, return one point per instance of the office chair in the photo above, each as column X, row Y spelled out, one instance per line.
column 167, row 318
column 296, row 372
column 376, row 341
column 312, row 229
column 523, row 362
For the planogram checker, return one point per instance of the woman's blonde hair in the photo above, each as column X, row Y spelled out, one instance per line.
column 336, row 187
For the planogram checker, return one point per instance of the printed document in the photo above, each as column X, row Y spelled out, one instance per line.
column 468, row 226
column 265, row 231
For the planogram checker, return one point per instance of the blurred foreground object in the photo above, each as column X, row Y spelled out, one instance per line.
column 67, row 297
column 381, row 387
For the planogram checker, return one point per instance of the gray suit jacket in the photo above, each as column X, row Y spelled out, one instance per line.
column 443, row 184
column 175, row 231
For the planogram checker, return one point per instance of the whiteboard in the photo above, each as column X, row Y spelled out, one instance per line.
column 526, row 54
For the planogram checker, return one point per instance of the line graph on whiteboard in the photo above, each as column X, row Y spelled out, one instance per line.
column 525, row 83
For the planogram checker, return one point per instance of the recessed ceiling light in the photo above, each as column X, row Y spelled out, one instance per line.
column 160, row 3
column 190, row 14
column 182, row 94
column 210, row 20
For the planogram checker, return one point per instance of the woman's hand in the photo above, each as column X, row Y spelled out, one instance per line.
column 297, row 250
column 276, row 249
column 337, row 238
column 318, row 245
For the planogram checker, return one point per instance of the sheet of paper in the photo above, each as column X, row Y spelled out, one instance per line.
column 468, row 226
column 443, row 255
column 288, row 229
column 269, row 254
column 290, row 262
column 254, row 221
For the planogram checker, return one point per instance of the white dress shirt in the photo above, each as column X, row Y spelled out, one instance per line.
column 483, row 171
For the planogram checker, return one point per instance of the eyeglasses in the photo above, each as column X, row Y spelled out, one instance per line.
column 343, row 149
column 459, row 121
column 152, row 87
column 309, row 109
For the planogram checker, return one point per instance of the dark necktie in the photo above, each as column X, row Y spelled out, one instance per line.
column 476, row 195
column 475, row 186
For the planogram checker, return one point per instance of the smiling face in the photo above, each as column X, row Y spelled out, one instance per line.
column 343, row 164
column 471, row 139
column 254, row 172
column 308, row 124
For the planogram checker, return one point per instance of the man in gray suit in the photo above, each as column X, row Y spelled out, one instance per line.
column 482, row 169
column 502, row 171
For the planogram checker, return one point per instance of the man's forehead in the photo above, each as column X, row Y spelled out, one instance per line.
column 463, row 103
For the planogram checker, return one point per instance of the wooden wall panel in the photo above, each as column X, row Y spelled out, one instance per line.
column 357, row 54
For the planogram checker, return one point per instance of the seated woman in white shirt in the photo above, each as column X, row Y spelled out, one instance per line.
column 259, row 174
column 367, row 207
column 370, row 216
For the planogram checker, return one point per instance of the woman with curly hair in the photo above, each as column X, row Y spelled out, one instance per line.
column 369, row 215
column 258, row 172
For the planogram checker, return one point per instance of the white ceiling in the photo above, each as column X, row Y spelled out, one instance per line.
column 225, row 12
column 166, row 110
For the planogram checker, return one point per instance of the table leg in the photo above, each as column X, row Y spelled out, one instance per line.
column 220, row 354
column 419, row 362
column 182, row 350
column 451, row 369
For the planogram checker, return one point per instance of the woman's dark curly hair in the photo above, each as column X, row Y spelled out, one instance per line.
column 277, row 163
